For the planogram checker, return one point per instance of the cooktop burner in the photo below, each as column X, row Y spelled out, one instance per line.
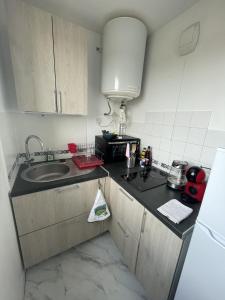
column 145, row 179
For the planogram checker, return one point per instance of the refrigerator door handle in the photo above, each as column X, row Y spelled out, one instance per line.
column 220, row 240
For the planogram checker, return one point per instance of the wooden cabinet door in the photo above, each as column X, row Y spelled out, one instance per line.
column 38, row 210
column 31, row 46
column 157, row 257
column 42, row 244
column 126, row 209
column 70, row 48
column 125, row 242
column 126, row 223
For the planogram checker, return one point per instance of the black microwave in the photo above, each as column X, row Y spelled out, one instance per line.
column 115, row 150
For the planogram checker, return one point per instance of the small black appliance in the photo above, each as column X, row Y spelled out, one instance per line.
column 114, row 150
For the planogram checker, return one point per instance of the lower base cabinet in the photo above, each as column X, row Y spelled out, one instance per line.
column 125, row 225
column 42, row 244
column 158, row 256
column 52, row 221
column 149, row 248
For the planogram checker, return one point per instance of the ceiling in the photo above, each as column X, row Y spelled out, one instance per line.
column 93, row 14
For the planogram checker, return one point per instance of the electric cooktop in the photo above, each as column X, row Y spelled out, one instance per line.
column 146, row 178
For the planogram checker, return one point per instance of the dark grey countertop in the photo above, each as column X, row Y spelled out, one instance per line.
column 150, row 199
column 23, row 187
column 154, row 198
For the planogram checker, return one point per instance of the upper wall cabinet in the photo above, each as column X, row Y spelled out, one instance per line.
column 70, row 48
column 31, row 44
column 49, row 57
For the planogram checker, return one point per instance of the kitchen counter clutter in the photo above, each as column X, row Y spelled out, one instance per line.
column 152, row 199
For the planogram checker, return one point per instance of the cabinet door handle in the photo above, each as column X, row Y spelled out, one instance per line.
column 127, row 195
column 68, row 187
column 56, row 101
column 60, row 101
column 143, row 222
column 122, row 229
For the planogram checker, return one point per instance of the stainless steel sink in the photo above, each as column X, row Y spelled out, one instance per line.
column 51, row 171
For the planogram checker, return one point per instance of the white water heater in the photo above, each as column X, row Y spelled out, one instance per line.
column 124, row 42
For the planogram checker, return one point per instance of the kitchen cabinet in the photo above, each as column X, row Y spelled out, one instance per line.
column 49, row 58
column 70, row 49
column 158, row 255
column 51, row 221
column 126, row 223
column 125, row 242
column 38, row 210
column 31, row 44
column 42, row 244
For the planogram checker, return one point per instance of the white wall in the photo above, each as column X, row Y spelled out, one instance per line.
column 192, row 84
column 12, row 277
column 11, row 272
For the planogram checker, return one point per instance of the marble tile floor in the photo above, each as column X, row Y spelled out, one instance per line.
column 91, row 271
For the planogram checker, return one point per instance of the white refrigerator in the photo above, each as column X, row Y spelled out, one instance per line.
column 203, row 274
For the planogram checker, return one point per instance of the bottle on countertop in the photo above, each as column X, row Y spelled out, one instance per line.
column 143, row 152
column 148, row 155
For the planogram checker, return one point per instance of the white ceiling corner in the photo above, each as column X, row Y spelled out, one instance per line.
column 93, row 14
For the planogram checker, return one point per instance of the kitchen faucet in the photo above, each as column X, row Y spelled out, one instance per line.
column 28, row 159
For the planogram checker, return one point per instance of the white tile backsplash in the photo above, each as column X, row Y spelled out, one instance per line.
column 180, row 133
column 177, row 147
column 138, row 128
column 154, row 141
column 166, row 131
column 183, row 118
column 155, row 153
column 157, row 130
column 200, row 119
column 197, row 136
column 147, row 128
column 169, row 118
column 164, row 156
column 207, row 156
column 215, row 139
column 165, row 144
column 193, row 152
column 152, row 129
column 154, row 117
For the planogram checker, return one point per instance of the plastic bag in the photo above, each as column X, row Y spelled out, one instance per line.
column 100, row 210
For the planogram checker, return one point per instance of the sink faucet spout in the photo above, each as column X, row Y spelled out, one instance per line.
column 28, row 159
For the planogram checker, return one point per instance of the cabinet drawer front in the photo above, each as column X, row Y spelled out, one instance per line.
column 126, row 243
column 157, row 257
column 38, row 210
column 126, row 209
column 42, row 244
